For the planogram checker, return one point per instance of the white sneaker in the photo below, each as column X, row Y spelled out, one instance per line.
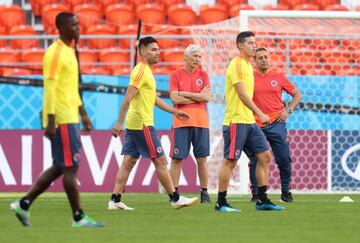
column 118, row 206
column 184, row 202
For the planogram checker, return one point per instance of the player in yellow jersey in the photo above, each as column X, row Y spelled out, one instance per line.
column 61, row 108
column 140, row 134
column 239, row 128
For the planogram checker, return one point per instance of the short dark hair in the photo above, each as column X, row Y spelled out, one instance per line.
column 61, row 19
column 240, row 38
column 261, row 48
column 146, row 41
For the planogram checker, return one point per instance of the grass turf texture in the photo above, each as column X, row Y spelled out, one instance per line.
column 311, row 218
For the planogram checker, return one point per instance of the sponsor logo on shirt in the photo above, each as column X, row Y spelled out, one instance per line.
column 274, row 83
column 176, row 151
column 199, row 82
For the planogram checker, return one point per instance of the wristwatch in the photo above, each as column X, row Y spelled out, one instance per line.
column 290, row 110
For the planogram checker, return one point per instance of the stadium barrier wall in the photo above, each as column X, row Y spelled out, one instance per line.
column 323, row 161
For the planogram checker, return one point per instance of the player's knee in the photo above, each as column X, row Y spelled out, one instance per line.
column 70, row 171
column 129, row 163
column 176, row 162
column 160, row 162
column 132, row 162
column 202, row 162
column 230, row 163
column 264, row 158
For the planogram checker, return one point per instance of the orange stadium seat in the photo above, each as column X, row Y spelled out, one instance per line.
column 23, row 43
column 276, row 7
column 72, row 3
column 120, row 14
column 128, row 30
column 37, row 5
column 12, row 15
column 185, row 42
column 181, row 14
column 89, row 14
column 174, row 59
column 159, row 70
column 9, row 72
column 137, row 2
column 114, row 59
column 292, row 3
column 277, row 57
column 121, row 71
column 306, row 7
column 151, row 13
column 167, row 3
column 101, row 30
column 34, row 58
column 230, row 3
column 235, row 10
column 213, row 13
column 48, row 16
column 324, row 3
column 104, row 3
column 2, row 42
column 88, row 58
column 358, row 8
column 164, row 30
column 8, row 57
column 95, row 70
column 336, row 7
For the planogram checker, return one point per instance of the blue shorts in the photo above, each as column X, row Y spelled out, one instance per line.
column 183, row 137
column 143, row 142
column 247, row 137
column 65, row 147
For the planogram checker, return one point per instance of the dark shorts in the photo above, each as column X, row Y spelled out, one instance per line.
column 66, row 145
column 247, row 137
column 183, row 137
column 143, row 142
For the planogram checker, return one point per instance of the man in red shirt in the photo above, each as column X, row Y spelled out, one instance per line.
column 189, row 92
column 268, row 97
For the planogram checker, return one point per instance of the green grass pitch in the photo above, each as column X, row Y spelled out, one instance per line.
column 312, row 218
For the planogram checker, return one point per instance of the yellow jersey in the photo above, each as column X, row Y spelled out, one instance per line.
column 61, row 84
column 141, row 109
column 236, row 111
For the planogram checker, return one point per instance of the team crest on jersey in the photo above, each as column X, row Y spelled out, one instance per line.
column 159, row 149
column 237, row 152
column 76, row 157
column 176, row 151
column 274, row 83
column 199, row 82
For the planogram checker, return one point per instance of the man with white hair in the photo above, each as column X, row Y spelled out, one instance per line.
column 189, row 92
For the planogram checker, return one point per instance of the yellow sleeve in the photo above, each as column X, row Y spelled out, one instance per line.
column 51, row 69
column 137, row 74
column 236, row 72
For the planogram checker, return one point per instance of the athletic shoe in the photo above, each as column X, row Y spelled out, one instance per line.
column 184, row 202
column 118, row 206
column 267, row 205
column 87, row 222
column 253, row 198
column 286, row 197
column 226, row 208
column 22, row 215
column 204, row 197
